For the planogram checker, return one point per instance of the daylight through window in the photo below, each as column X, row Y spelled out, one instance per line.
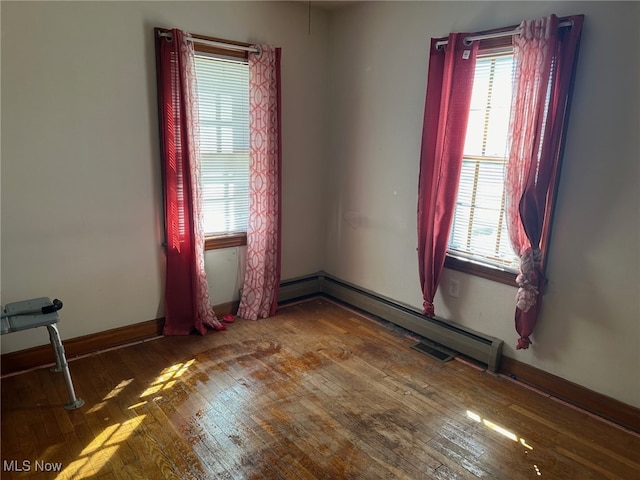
column 479, row 230
column 223, row 94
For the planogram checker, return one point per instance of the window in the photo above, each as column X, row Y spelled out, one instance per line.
column 479, row 242
column 223, row 94
column 479, row 231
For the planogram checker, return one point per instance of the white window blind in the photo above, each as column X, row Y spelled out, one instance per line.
column 479, row 231
column 223, row 94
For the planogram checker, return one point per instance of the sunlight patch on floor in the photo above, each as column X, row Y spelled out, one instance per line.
column 113, row 393
column 504, row 432
column 101, row 449
column 167, row 378
column 117, row 389
column 497, row 428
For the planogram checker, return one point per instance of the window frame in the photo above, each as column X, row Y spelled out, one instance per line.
column 234, row 239
column 491, row 272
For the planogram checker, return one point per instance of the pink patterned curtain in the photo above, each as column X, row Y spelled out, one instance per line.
column 544, row 64
column 449, row 86
column 262, row 277
column 187, row 304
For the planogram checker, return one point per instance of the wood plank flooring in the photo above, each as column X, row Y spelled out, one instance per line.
column 317, row 391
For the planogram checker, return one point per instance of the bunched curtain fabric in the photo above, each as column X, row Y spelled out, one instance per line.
column 187, row 303
column 448, row 98
column 262, row 275
column 544, row 59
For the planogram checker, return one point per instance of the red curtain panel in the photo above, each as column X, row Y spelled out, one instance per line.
column 187, row 303
column 449, row 86
column 545, row 57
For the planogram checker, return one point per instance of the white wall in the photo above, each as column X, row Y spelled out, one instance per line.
column 589, row 330
column 80, row 163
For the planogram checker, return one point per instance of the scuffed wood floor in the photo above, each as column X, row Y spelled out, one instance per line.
column 315, row 392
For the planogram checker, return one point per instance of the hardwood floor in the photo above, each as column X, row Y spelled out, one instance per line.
column 315, row 392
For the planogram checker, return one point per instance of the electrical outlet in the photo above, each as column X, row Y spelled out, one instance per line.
column 454, row 287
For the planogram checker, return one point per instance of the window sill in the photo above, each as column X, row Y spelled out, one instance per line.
column 215, row 242
column 479, row 270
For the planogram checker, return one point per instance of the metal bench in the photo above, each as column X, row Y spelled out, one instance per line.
column 41, row 312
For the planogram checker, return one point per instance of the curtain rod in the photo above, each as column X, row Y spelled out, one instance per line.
column 517, row 31
column 228, row 46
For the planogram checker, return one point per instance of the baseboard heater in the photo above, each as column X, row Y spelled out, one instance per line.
column 477, row 346
column 301, row 287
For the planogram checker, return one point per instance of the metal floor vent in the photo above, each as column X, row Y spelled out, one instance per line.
column 439, row 354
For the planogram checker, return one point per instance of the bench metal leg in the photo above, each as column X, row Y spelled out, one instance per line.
column 63, row 366
column 54, row 342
